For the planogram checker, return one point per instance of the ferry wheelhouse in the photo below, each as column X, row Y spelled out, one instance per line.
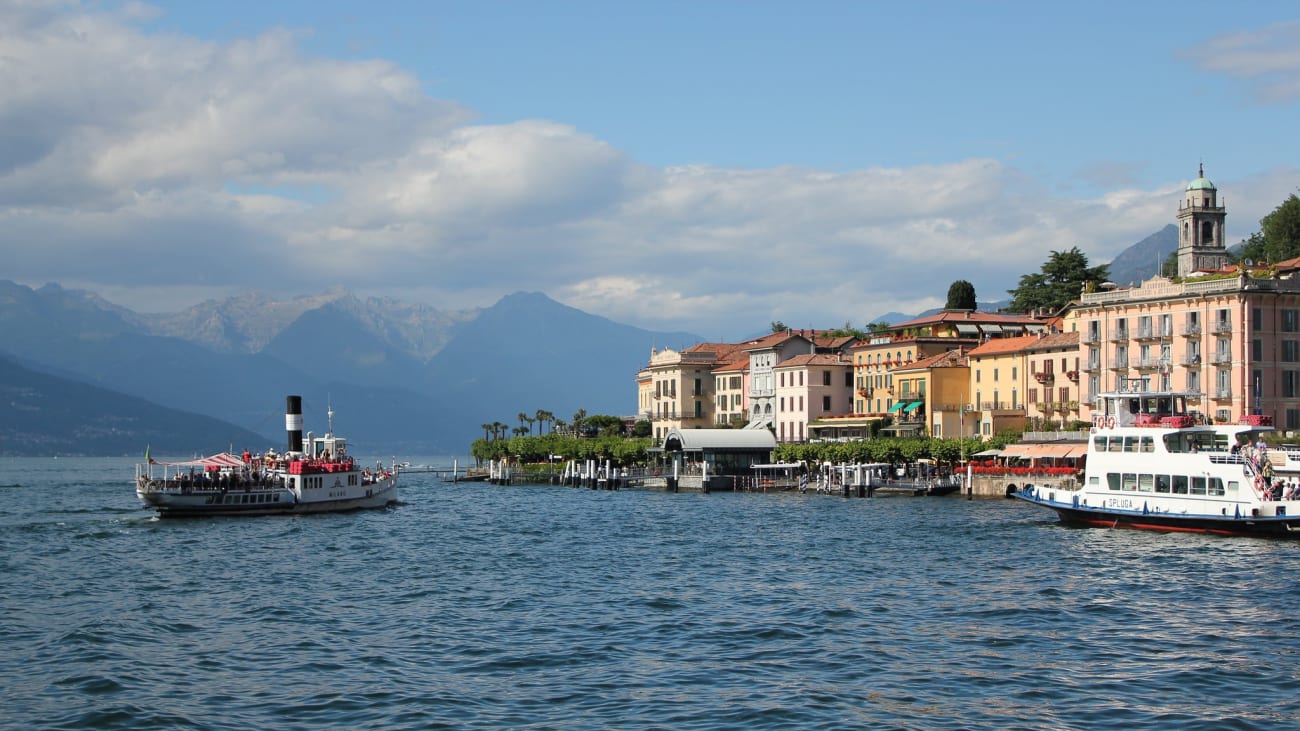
column 317, row 476
column 1153, row 464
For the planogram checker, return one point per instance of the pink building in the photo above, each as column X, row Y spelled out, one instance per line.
column 1229, row 336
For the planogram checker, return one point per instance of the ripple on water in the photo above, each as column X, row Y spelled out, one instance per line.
column 483, row 607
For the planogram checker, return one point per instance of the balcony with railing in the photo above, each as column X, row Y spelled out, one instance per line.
column 1072, row 375
column 1119, row 335
column 1221, row 327
column 1221, row 358
column 1118, row 364
column 1222, row 393
column 1092, row 365
column 1001, row 407
column 1191, row 359
column 1150, row 363
column 1045, row 376
column 1191, row 329
column 1091, row 336
column 1146, row 333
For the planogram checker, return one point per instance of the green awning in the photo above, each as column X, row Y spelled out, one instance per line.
column 913, row 406
column 897, row 406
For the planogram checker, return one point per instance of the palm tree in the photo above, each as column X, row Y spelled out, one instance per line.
column 487, row 429
column 577, row 421
column 521, row 430
column 558, row 424
column 499, row 429
column 542, row 417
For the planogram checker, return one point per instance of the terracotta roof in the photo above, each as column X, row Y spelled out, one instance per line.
column 1056, row 340
column 998, row 346
column 1288, row 264
column 947, row 359
column 739, row 364
column 723, row 352
column 813, row 359
column 974, row 318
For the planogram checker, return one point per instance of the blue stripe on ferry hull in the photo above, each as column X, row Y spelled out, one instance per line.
column 1287, row 527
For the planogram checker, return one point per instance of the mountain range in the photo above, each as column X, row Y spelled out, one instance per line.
column 84, row 376
column 402, row 378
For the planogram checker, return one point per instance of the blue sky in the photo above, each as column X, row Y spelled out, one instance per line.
column 703, row 166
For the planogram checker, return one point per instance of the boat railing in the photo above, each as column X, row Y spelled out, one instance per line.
column 187, row 484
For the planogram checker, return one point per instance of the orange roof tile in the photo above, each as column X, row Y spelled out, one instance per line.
column 946, row 359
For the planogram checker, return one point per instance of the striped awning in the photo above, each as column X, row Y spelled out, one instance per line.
column 913, row 406
column 222, row 459
column 897, row 406
column 1041, row 451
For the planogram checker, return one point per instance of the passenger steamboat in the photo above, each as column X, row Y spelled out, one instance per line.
column 1153, row 464
column 315, row 476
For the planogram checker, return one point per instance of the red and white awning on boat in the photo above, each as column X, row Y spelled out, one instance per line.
column 223, row 459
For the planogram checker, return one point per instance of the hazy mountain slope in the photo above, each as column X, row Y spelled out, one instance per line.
column 525, row 353
column 1143, row 260
column 529, row 352
column 42, row 414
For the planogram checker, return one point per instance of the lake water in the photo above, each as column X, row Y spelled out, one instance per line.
column 471, row 606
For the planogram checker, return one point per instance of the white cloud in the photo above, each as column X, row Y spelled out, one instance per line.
column 146, row 165
column 1269, row 57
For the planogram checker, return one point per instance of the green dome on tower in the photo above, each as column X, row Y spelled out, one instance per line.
column 1201, row 182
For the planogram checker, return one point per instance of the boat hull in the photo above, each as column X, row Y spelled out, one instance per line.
column 1278, row 526
column 279, row 501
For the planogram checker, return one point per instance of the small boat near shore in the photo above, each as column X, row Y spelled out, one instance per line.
column 315, row 476
column 1154, row 465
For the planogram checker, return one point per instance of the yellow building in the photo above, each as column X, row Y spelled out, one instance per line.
column 931, row 392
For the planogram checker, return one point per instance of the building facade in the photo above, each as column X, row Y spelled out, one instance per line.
column 1227, row 336
column 810, row 387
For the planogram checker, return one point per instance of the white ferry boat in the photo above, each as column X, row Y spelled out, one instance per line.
column 1152, row 464
column 316, row 477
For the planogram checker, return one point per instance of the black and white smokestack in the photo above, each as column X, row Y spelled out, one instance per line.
column 293, row 422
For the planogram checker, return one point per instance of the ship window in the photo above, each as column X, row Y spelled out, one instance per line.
column 1232, row 486
column 1112, row 480
column 1198, row 485
column 1148, row 444
column 1116, row 444
column 1216, row 486
column 1180, row 484
column 1094, row 480
column 1162, row 483
column 1130, row 444
column 1129, row 481
column 1145, row 483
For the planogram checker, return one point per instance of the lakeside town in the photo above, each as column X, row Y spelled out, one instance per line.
column 1008, row 394
column 1227, row 335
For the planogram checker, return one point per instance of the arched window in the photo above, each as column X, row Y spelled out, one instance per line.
column 1207, row 232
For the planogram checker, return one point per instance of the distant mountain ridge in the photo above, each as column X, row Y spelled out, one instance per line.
column 45, row 414
column 402, row 378
column 1143, row 260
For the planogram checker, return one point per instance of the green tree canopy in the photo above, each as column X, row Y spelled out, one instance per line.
column 1278, row 237
column 961, row 295
column 1058, row 284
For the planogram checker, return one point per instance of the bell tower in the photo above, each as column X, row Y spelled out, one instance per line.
column 1200, row 228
